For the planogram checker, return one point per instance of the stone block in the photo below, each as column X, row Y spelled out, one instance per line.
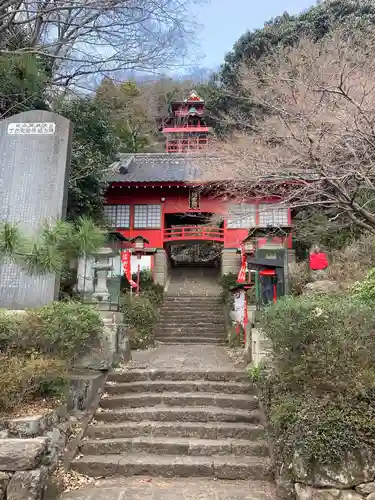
column 21, row 454
column 56, row 440
column 354, row 470
column 27, row 485
column 366, row 489
column 4, row 480
column 83, row 388
column 321, row 287
column 27, row 427
column 34, row 160
column 304, row 492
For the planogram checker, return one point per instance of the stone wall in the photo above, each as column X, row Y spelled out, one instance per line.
column 230, row 261
column 161, row 267
column 30, row 448
column 353, row 479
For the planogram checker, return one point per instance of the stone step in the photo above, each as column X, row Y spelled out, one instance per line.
column 215, row 333
column 133, row 375
column 187, row 291
column 199, row 430
column 175, row 413
column 189, row 340
column 195, row 311
column 146, row 488
column 192, row 300
column 221, row 467
column 172, row 399
column 174, row 446
column 177, row 319
column 202, row 326
column 203, row 320
column 180, row 386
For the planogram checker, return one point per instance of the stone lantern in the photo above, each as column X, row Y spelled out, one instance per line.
column 104, row 294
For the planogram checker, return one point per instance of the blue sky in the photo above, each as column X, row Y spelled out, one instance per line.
column 226, row 20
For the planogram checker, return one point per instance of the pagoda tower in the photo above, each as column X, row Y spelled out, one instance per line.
column 185, row 128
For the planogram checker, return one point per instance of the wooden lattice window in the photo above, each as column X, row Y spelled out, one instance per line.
column 118, row 216
column 147, row 216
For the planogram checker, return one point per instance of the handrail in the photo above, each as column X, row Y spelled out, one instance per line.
column 194, row 233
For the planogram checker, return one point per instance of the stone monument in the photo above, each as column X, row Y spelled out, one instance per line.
column 35, row 151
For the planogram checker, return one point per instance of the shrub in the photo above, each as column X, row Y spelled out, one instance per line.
column 11, row 324
column 236, row 336
column 65, row 329
column 154, row 294
column 140, row 315
column 320, row 390
column 323, row 429
column 322, row 344
column 60, row 329
column 298, row 277
column 23, row 379
column 227, row 281
column 365, row 290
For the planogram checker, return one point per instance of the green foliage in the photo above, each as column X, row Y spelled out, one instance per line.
column 23, row 379
column 236, row 338
column 140, row 315
column 328, row 342
column 257, row 372
column 319, row 391
column 23, row 84
column 94, row 147
column 365, row 290
column 227, row 281
column 62, row 330
column 56, row 245
column 148, row 289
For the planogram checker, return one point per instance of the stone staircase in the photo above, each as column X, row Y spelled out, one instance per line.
column 170, row 423
column 192, row 312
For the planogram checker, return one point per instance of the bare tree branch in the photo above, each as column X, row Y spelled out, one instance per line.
column 316, row 137
column 98, row 37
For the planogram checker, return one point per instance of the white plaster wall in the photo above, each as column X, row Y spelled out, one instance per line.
column 85, row 271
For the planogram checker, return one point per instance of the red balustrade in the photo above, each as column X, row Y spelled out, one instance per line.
column 194, row 233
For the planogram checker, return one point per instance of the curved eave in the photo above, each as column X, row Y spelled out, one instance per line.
column 148, row 184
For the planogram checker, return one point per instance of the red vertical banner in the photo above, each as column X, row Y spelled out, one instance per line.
column 242, row 274
column 126, row 264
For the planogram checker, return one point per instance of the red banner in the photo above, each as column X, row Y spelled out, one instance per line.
column 126, row 264
column 242, row 274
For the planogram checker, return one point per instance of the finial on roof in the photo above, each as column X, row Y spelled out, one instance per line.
column 193, row 96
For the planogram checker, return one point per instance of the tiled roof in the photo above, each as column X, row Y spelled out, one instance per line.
column 158, row 167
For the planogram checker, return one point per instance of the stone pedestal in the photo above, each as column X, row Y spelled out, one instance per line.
column 230, row 261
column 260, row 348
column 161, row 267
column 114, row 346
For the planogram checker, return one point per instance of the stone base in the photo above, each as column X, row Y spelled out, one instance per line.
column 114, row 345
column 161, row 267
column 259, row 346
column 230, row 261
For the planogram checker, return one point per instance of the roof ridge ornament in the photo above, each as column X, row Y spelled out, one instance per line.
column 193, row 96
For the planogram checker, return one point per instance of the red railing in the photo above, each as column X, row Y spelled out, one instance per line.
column 194, row 233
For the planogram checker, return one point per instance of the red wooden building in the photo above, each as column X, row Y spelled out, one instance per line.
column 157, row 196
